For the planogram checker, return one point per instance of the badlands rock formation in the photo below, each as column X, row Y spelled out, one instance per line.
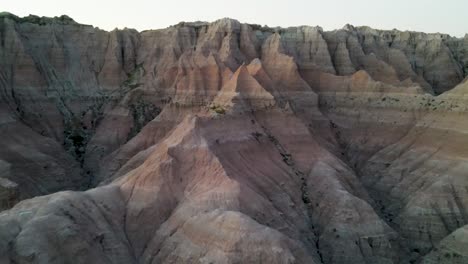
column 226, row 142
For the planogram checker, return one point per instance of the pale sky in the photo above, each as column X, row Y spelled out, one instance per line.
column 447, row 16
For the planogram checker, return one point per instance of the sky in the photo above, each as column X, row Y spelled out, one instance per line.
column 447, row 16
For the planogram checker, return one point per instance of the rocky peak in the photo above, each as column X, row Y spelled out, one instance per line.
column 349, row 27
column 61, row 20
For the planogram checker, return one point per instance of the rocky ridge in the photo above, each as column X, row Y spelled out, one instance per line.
column 226, row 142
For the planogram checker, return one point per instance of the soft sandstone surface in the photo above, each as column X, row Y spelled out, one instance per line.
column 226, row 142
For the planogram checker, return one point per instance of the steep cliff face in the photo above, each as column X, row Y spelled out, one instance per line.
column 226, row 142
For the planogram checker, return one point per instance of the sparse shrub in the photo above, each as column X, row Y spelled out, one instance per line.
column 134, row 76
column 218, row 109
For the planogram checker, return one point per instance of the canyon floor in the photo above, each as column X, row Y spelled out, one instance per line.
column 227, row 142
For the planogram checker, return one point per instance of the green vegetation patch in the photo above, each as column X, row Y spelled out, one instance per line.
column 218, row 109
column 133, row 77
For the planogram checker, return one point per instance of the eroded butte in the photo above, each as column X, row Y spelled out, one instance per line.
column 226, row 142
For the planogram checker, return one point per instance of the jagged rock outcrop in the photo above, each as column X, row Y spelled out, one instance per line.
column 242, row 93
column 226, row 142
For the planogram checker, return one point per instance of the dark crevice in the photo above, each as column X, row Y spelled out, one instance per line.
column 142, row 113
column 289, row 161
